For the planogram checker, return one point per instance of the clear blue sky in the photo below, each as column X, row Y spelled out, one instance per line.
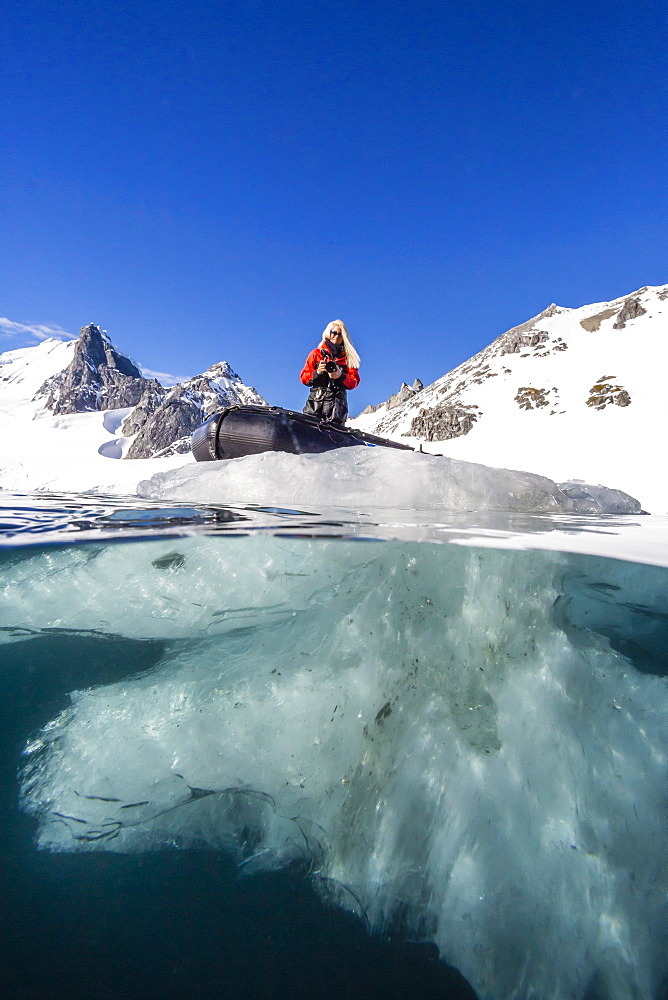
column 217, row 179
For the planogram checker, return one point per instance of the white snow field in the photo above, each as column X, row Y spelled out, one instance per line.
column 72, row 453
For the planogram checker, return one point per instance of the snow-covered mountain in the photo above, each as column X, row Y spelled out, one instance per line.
column 571, row 393
column 67, row 407
column 163, row 425
column 98, row 377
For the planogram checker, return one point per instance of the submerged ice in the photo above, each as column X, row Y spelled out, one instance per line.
column 432, row 730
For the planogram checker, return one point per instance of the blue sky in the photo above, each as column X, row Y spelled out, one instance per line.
column 217, row 179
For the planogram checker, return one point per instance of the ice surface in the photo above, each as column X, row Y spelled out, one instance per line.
column 432, row 728
column 590, row 499
column 370, row 477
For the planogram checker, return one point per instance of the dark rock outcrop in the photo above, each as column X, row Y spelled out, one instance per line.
column 530, row 398
column 443, row 423
column 630, row 310
column 168, row 430
column 168, row 421
column 604, row 392
column 517, row 342
column 525, row 335
column 151, row 398
column 97, row 378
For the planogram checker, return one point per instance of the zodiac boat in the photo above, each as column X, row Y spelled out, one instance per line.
column 248, row 430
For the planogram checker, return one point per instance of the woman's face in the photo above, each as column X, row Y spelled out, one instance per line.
column 335, row 334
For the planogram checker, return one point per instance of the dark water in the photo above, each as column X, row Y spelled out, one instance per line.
column 172, row 924
column 186, row 923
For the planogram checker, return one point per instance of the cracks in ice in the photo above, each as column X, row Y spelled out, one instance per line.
column 110, row 828
column 307, row 850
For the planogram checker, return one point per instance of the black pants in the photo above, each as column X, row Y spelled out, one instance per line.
column 328, row 404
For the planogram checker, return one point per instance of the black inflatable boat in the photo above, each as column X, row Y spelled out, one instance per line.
column 248, row 430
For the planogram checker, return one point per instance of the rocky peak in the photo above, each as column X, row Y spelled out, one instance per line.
column 95, row 347
column 406, row 392
column 97, row 378
column 164, row 423
column 221, row 369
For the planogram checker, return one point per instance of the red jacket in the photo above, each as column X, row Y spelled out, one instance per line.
column 349, row 381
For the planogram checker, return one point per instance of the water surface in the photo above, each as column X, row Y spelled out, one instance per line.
column 494, row 791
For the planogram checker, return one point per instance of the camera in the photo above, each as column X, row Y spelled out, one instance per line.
column 331, row 366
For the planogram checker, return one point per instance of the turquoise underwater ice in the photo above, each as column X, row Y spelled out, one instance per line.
column 461, row 742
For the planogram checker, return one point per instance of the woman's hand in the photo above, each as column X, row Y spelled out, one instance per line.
column 322, row 370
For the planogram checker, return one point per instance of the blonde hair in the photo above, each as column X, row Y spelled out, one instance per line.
column 352, row 357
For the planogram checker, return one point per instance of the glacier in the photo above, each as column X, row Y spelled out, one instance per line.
column 452, row 740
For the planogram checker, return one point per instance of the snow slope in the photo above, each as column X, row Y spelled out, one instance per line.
column 535, row 410
column 68, row 453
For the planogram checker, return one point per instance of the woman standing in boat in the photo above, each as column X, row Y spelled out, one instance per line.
column 329, row 372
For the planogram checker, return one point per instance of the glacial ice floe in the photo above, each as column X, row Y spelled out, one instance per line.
column 430, row 729
column 378, row 477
